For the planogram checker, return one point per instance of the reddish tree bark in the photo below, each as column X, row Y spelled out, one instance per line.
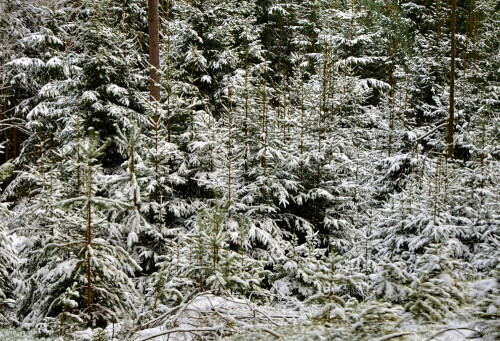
column 154, row 50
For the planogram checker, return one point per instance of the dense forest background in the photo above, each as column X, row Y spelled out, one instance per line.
column 334, row 157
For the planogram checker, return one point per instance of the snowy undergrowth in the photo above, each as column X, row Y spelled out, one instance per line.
column 20, row 335
column 212, row 316
column 209, row 317
column 310, row 332
column 405, row 329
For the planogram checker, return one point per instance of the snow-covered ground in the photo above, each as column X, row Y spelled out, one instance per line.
column 20, row 335
column 303, row 331
column 240, row 320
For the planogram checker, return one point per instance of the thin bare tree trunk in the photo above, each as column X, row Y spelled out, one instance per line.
column 451, row 128
column 246, row 112
column 263, row 159
column 89, row 242
column 229, row 127
column 169, row 89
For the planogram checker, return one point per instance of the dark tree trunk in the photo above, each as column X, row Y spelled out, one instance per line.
column 154, row 50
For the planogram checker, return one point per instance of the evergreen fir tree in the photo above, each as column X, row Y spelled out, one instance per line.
column 488, row 306
column 8, row 259
column 85, row 277
column 307, row 156
column 435, row 291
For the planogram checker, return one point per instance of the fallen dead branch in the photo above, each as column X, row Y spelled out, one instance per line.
column 456, row 329
column 392, row 336
column 185, row 330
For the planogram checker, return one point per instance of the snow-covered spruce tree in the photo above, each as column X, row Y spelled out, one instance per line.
column 249, row 170
column 436, row 291
column 265, row 169
column 487, row 294
column 302, row 271
column 413, row 102
column 12, row 28
column 148, row 183
column 214, row 265
column 415, row 169
column 68, row 71
column 108, row 90
column 203, row 260
column 480, row 136
column 191, row 114
column 166, row 146
column 168, row 285
column 131, row 185
column 40, row 73
column 427, row 211
column 426, row 93
column 39, row 218
column 332, row 125
column 258, row 175
column 482, row 200
column 8, row 259
column 374, row 42
column 306, row 272
column 8, row 264
column 418, row 171
column 108, row 267
column 221, row 146
column 392, row 116
column 316, row 128
column 167, row 210
column 391, row 282
column 375, row 319
column 76, row 276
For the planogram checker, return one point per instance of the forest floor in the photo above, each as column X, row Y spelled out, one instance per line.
column 236, row 319
column 297, row 332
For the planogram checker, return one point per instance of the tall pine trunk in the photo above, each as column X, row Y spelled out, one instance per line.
column 154, row 51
